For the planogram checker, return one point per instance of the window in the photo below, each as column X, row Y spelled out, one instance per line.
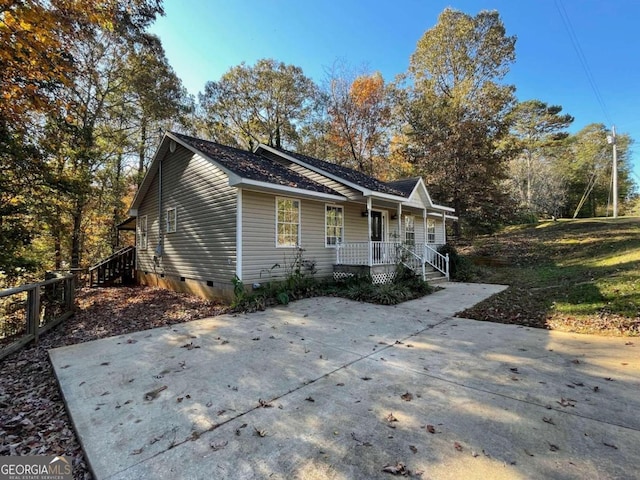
column 172, row 220
column 409, row 230
column 431, row 230
column 287, row 222
column 142, row 232
column 334, row 225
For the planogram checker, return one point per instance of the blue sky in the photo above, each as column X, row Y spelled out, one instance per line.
column 203, row 39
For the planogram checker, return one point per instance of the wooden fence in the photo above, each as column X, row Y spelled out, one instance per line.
column 30, row 310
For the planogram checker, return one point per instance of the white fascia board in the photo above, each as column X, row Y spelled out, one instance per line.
column 245, row 182
column 442, row 207
column 148, row 176
column 439, row 215
column 313, row 169
column 384, row 196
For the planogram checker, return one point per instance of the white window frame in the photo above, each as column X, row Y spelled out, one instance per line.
column 431, row 230
column 143, row 234
column 410, row 230
column 338, row 238
column 278, row 223
column 175, row 220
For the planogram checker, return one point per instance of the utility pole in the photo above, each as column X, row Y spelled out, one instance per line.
column 612, row 140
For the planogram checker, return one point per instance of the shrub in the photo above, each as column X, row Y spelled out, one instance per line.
column 460, row 267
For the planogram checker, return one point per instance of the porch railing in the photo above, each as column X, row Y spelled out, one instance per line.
column 385, row 253
column 437, row 260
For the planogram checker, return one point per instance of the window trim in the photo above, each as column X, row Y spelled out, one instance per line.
column 299, row 242
column 341, row 207
column 175, row 220
column 140, row 244
column 431, row 236
column 412, row 231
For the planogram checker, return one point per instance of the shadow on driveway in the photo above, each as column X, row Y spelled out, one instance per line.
column 328, row 388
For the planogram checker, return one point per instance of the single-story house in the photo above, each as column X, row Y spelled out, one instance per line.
column 207, row 213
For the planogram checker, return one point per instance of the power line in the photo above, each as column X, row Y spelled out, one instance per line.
column 582, row 58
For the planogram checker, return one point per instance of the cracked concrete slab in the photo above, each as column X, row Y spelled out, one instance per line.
column 307, row 390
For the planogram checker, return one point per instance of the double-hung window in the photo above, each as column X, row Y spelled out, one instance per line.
column 431, row 230
column 172, row 220
column 287, row 222
column 409, row 230
column 142, row 232
column 334, row 225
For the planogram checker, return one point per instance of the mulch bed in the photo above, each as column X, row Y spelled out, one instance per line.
column 33, row 419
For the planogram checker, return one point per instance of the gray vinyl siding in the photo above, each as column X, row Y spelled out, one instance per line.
column 260, row 253
column 204, row 244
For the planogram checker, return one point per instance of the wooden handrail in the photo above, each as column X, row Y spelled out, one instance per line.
column 113, row 256
column 11, row 291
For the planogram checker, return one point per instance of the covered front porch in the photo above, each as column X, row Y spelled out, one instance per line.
column 379, row 259
column 407, row 233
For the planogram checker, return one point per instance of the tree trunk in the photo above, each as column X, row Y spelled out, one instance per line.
column 57, row 247
column 76, row 236
column 141, row 151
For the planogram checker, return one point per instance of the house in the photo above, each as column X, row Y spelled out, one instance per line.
column 207, row 213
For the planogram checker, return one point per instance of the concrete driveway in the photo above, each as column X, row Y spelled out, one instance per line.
column 327, row 388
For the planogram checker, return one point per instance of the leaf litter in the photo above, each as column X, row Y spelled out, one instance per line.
column 29, row 390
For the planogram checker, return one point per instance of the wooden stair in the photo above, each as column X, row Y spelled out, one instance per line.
column 118, row 268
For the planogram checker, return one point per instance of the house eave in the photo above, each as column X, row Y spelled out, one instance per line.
column 239, row 182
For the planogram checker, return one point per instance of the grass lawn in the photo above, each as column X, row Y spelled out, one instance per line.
column 572, row 275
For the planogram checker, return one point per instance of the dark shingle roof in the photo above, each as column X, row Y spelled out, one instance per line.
column 348, row 174
column 405, row 185
column 253, row 167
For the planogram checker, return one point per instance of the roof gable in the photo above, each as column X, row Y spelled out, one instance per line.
column 242, row 167
column 248, row 165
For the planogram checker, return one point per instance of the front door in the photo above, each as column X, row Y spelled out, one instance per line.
column 376, row 226
column 376, row 236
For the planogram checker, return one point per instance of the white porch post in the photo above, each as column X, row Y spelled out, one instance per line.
column 369, row 232
column 424, row 224
column 400, row 222
column 444, row 228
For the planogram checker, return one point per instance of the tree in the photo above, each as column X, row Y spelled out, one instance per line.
column 38, row 42
column 537, row 131
column 265, row 103
column 455, row 113
column 359, row 118
column 587, row 167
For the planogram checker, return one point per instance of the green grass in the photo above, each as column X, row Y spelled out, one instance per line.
column 573, row 275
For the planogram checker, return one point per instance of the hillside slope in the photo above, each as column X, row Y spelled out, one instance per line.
column 573, row 275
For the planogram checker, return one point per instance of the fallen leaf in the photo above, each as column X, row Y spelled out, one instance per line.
column 391, row 418
column 431, row 429
column 137, row 451
column 548, row 420
column 397, row 469
column 457, row 446
column 309, row 399
column 264, row 404
column 413, row 449
column 610, row 445
column 218, row 446
column 260, row 433
column 153, row 394
column 407, row 397
column 553, row 448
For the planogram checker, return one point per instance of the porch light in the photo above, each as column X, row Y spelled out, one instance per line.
column 365, row 212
